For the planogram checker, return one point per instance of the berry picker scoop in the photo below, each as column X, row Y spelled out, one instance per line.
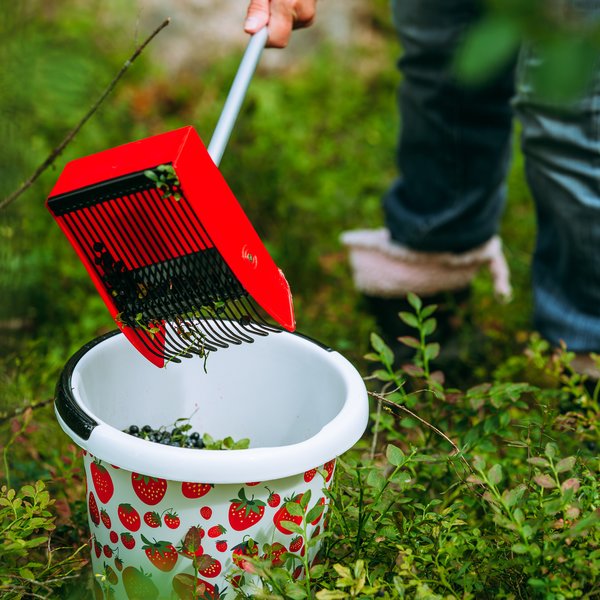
column 168, row 247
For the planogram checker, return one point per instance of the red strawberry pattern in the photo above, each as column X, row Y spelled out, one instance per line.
column 172, row 520
column 329, row 468
column 150, row 490
column 110, row 575
column 321, row 502
column 244, row 513
column 310, row 475
column 195, row 490
column 216, row 531
column 274, row 553
column 208, row 566
column 161, row 554
column 157, row 533
column 105, row 518
column 102, row 481
column 138, row 584
column 128, row 540
column 93, row 509
column 188, row 587
column 152, row 519
column 274, row 499
column 129, row 517
column 296, row 544
column 283, row 515
column 245, row 549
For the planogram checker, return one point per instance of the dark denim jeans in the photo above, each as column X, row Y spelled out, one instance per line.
column 454, row 154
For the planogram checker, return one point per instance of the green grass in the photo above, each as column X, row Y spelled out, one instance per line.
column 311, row 156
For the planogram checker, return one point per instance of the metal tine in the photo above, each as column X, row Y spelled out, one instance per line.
column 161, row 267
column 184, row 222
column 76, row 223
column 106, row 215
column 109, row 219
column 208, row 336
column 199, row 229
column 262, row 326
column 259, row 317
column 190, row 295
column 200, row 348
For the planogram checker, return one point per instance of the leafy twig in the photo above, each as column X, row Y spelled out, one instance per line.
column 457, row 450
column 69, row 137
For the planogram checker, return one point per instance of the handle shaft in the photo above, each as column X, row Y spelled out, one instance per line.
column 236, row 95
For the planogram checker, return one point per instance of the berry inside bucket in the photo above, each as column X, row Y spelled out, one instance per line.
column 174, row 521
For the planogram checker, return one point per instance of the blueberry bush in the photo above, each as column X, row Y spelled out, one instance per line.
column 477, row 478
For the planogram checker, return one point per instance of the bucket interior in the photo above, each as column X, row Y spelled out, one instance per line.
column 279, row 390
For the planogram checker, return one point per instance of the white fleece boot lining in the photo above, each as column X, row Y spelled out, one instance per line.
column 386, row 269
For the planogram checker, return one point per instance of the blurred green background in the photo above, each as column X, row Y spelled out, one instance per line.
column 311, row 155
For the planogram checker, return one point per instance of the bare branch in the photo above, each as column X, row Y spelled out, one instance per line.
column 19, row 411
column 69, row 137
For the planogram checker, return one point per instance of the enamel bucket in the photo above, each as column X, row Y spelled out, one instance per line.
column 170, row 522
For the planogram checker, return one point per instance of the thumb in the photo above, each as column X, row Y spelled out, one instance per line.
column 257, row 16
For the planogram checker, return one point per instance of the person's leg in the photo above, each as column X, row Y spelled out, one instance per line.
column 454, row 145
column 443, row 212
column 562, row 152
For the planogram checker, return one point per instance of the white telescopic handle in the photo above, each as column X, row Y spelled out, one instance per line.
column 236, row 95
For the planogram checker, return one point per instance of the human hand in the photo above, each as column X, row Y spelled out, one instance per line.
column 282, row 16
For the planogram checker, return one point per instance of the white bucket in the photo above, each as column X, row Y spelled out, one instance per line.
column 300, row 404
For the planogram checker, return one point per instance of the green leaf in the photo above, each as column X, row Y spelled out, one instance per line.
column 545, row 481
column 519, row 548
column 487, row 48
column 295, row 591
column 410, row 319
column 581, row 526
column 317, row 571
column 566, row 464
column 294, row 509
column 428, row 311
column 494, row 475
column 315, row 513
column 519, row 516
column 375, row 479
column 305, row 500
column 429, row 326
column 331, row 595
column 413, row 370
column 383, row 375
column 512, row 497
column 382, row 349
column 293, row 527
column 538, row 461
column 432, row 351
column 551, row 507
column 409, row 341
column 550, row 450
column 414, row 301
column 395, row 456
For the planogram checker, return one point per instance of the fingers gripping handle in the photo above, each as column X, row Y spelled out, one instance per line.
column 236, row 95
